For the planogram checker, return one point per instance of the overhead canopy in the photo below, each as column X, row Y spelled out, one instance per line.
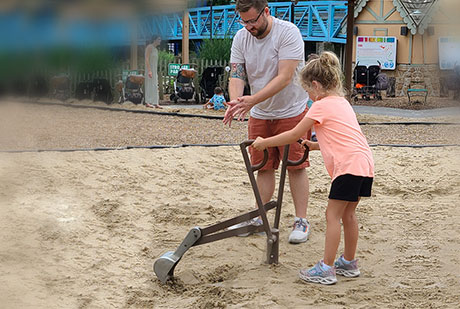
column 416, row 14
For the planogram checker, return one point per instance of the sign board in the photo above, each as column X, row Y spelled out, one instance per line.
column 372, row 50
column 449, row 52
column 126, row 73
column 173, row 68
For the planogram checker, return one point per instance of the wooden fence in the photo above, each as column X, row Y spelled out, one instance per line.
column 165, row 81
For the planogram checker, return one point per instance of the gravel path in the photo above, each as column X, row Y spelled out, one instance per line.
column 31, row 126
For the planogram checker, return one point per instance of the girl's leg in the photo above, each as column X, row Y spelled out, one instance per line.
column 350, row 231
column 334, row 212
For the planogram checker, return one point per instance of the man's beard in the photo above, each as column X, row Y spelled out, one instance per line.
column 260, row 31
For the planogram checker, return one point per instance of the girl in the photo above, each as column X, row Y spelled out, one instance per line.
column 347, row 157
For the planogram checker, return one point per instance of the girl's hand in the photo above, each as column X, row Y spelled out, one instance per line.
column 311, row 145
column 259, row 143
column 150, row 74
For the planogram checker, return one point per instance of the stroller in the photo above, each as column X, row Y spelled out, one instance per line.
column 209, row 81
column 60, row 87
column 102, row 90
column 84, row 90
column 184, row 87
column 453, row 81
column 38, row 87
column 130, row 87
column 97, row 90
column 368, row 82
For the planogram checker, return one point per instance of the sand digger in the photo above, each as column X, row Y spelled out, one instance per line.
column 164, row 266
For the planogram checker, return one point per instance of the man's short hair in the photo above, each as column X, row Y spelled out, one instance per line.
column 245, row 5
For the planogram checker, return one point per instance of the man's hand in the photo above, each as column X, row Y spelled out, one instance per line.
column 246, row 103
column 229, row 113
column 259, row 143
column 238, row 108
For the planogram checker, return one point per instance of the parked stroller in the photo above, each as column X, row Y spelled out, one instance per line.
column 184, row 87
column 368, row 82
column 84, row 90
column 453, row 81
column 98, row 89
column 130, row 87
column 38, row 86
column 102, row 90
column 209, row 81
column 60, row 87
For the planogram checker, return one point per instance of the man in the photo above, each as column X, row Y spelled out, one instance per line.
column 267, row 53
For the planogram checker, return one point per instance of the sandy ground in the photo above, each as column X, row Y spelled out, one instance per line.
column 83, row 229
column 44, row 127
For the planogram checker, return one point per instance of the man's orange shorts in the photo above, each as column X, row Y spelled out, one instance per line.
column 266, row 128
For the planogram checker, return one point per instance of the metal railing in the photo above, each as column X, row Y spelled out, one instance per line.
column 317, row 21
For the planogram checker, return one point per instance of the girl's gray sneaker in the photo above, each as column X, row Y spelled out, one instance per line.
column 317, row 274
column 349, row 270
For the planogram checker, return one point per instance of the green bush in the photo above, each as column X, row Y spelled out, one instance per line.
column 165, row 56
column 93, row 60
column 216, row 49
column 59, row 59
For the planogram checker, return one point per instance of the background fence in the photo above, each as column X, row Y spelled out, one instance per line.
column 165, row 81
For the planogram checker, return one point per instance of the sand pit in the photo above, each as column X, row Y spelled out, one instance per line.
column 82, row 230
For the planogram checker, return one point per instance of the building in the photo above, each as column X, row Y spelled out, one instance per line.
column 420, row 27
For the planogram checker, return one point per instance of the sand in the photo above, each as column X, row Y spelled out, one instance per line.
column 45, row 127
column 82, row 230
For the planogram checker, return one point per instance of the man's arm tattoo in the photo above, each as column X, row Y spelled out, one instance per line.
column 238, row 70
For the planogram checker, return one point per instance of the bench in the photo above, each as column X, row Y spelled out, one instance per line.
column 417, row 88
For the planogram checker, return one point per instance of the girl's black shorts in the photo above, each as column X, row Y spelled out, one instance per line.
column 350, row 187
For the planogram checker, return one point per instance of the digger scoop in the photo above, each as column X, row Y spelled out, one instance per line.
column 164, row 265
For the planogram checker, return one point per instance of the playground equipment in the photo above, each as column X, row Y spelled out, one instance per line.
column 164, row 266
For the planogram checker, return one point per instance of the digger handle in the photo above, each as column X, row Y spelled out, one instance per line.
column 304, row 158
column 264, row 161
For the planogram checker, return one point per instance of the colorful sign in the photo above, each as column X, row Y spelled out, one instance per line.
column 126, row 73
column 449, row 52
column 375, row 50
column 173, row 68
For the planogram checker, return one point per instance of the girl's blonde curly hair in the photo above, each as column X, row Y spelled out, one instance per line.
column 325, row 69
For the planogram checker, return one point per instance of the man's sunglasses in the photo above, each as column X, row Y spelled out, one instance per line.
column 251, row 22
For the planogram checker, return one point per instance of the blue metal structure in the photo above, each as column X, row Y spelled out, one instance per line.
column 317, row 20
column 320, row 21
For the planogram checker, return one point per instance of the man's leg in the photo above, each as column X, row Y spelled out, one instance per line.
column 266, row 184
column 298, row 182
column 299, row 185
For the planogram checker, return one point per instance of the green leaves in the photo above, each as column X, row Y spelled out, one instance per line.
column 216, row 49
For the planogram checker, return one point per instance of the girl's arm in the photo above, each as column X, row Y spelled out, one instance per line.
column 311, row 145
column 285, row 138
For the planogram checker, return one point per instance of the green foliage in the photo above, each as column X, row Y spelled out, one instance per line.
column 14, row 65
column 59, row 59
column 216, row 49
column 93, row 60
column 165, row 56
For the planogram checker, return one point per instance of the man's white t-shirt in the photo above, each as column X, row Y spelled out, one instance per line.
column 261, row 57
